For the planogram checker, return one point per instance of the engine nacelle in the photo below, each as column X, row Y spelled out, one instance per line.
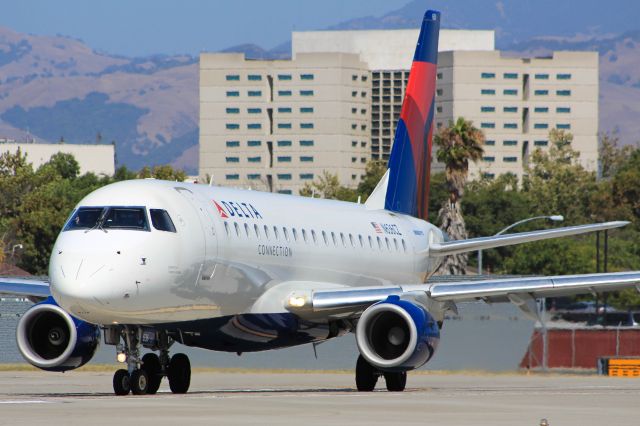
column 51, row 339
column 397, row 335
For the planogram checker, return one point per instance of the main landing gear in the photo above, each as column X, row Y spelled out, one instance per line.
column 367, row 377
column 144, row 375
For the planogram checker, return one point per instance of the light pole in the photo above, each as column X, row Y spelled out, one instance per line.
column 555, row 218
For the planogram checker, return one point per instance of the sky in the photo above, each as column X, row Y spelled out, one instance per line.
column 145, row 27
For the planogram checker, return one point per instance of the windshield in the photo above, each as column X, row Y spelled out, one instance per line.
column 134, row 218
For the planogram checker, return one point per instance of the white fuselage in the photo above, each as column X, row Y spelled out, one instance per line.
column 233, row 252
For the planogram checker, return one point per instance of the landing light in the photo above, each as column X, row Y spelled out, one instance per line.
column 121, row 357
column 297, row 301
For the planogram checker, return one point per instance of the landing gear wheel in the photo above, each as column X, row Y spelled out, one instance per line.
column 366, row 375
column 151, row 364
column 396, row 382
column 121, row 382
column 139, row 382
column 179, row 373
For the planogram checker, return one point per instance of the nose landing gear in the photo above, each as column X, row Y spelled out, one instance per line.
column 144, row 375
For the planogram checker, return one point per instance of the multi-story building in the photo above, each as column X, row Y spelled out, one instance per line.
column 517, row 101
column 275, row 125
column 98, row 158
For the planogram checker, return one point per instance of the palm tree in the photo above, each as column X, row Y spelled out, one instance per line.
column 457, row 144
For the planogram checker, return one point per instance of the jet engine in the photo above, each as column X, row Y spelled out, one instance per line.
column 397, row 335
column 51, row 339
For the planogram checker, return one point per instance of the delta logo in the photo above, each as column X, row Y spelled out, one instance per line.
column 227, row 209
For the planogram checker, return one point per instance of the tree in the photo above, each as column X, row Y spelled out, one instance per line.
column 328, row 186
column 373, row 173
column 458, row 144
column 611, row 154
column 165, row 172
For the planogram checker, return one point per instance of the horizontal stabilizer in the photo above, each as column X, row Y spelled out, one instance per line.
column 483, row 243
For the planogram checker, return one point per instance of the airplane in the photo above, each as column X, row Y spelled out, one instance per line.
column 146, row 264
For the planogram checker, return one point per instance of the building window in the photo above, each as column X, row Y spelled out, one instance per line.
column 306, row 76
column 306, row 110
column 510, row 92
column 234, row 176
column 254, row 126
column 233, row 144
column 233, row 77
column 488, row 109
column 563, row 110
column 284, row 125
column 284, row 77
column 510, row 159
column 306, row 158
column 488, row 75
column 233, row 110
column 487, row 92
column 510, row 143
column 563, row 92
column 306, row 176
column 284, row 109
column 540, row 126
column 490, row 142
column 541, row 92
column 232, row 159
column 232, row 93
column 510, row 109
column 254, row 110
column 284, row 92
column 253, row 176
column 541, row 109
column 254, row 143
column 284, row 176
column 284, row 159
column 488, row 159
column 439, row 109
column 254, row 77
column 488, row 175
column 563, row 126
column 285, row 191
column 255, row 93
column 487, row 125
column 254, row 159
column 541, row 76
column 510, row 125
column 563, row 76
column 284, row 143
column 510, row 75
column 232, row 126
column 439, row 92
column 306, row 125
column 306, row 93
column 541, row 143
column 306, row 143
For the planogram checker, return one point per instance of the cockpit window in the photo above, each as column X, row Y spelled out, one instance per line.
column 161, row 220
column 125, row 218
column 133, row 218
column 84, row 218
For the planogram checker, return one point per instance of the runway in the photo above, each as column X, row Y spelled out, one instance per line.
column 81, row 398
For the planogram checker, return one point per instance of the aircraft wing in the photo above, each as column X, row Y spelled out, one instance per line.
column 32, row 288
column 521, row 291
column 483, row 243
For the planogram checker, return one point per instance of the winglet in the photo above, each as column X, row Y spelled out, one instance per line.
column 377, row 197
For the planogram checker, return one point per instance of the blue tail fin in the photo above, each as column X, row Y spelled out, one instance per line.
column 410, row 162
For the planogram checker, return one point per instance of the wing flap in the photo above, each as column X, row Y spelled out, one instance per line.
column 483, row 243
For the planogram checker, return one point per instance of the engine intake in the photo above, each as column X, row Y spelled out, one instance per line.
column 51, row 339
column 397, row 334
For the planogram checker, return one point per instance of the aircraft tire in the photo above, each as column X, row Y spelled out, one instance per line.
column 366, row 375
column 396, row 382
column 179, row 373
column 151, row 364
column 121, row 382
column 139, row 382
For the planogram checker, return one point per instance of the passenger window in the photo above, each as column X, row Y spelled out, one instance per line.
column 295, row 234
column 256, row 230
column 388, row 245
column 235, row 225
column 161, row 220
column 266, row 232
column 246, row 229
column 370, row 242
column 324, row 237
column 275, row 232
column 379, row 243
column 361, row 241
column 286, row 233
column 351, row 240
column 304, row 235
column 226, row 228
column 333, row 237
column 313, row 235
column 342, row 239
column 395, row 243
column 404, row 246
